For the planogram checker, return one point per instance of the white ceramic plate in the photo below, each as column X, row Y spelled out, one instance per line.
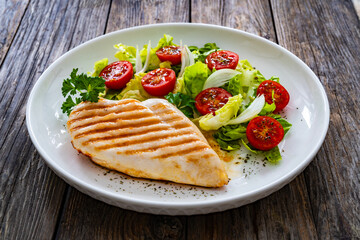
column 308, row 111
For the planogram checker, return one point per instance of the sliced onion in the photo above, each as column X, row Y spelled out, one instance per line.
column 147, row 58
column 220, row 77
column 138, row 63
column 190, row 56
column 183, row 60
column 252, row 111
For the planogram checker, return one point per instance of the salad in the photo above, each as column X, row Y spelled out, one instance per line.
column 223, row 95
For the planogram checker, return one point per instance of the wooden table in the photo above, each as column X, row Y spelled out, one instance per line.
column 321, row 203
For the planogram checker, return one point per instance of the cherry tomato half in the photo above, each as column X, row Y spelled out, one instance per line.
column 281, row 96
column 170, row 53
column 159, row 82
column 222, row 59
column 211, row 99
column 117, row 74
column 264, row 133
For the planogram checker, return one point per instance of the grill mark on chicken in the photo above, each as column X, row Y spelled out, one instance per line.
column 164, row 145
column 90, row 113
column 114, row 119
column 104, row 129
column 171, row 119
column 89, row 107
column 193, row 149
column 147, row 139
column 180, row 124
column 157, row 128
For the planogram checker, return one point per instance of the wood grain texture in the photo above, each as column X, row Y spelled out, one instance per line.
column 11, row 13
column 251, row 16
column 31, row 194
column 128, row 13
column 325, row 34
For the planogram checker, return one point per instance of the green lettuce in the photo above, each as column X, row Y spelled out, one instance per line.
column 273, row 155
column 126, row 53
column 285, row 124
column 194, row 78
column 222, row 116
column 133, row 90
column 228, row 136
column 99, row 66
column 200, row 54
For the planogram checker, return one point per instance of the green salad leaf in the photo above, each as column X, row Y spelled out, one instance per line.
column 200, row 54
column 99, row 66
column 273, row 155
column 87, row 87
column 222, row 116
column 228, row 136
column 126, row 53
column 183, row 102
column 285, row 124
column 194, row 78
column 133, row 89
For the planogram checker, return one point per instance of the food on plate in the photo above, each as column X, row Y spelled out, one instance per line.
column 264, row 133
column 117, row 74
column 159, row 82
column 227, row 99
column 211, row 99
column 170, row 53
column 222, row 59
column 150, row 139
column 274, row 91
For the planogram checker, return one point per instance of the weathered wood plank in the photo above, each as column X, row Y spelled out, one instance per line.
column 105, row 221
column 31, row 194
column 11, row 13
column 326, row 35
column 251, row 16
column 128, row 13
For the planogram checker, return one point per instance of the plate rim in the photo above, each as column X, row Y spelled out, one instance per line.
column 255, row 194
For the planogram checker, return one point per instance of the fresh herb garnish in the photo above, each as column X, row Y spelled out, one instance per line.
column 183, row 102
column 87, row 87
column 201, row 53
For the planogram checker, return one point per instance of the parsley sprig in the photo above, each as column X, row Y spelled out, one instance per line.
column 200, row 54
column 87, row 87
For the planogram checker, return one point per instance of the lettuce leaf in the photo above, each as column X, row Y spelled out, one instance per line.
column 194, row 78
column 200, row 54
column 133, row 90
column 273, row 155
column 222, row 115
column 231, row 132
column 126, row 53
column 285, row 124
column 99, row 66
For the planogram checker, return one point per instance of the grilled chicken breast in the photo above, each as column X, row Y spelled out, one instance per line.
column 150, row 139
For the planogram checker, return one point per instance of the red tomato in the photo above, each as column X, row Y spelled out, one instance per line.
column 211, row 99
column 170, row 53
column 222, row 59
column 281, row 96
column 117, row 74
column 264, row 133
column 159, row 82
